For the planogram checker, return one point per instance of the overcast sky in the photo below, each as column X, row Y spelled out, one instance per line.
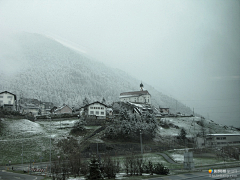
column 189, row 50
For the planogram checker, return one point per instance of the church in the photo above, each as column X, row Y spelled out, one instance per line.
column 141, row 97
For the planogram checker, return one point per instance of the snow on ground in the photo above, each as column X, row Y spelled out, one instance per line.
column 191, row 126
column 31, row 137
column 178, row 157
column 23, row 126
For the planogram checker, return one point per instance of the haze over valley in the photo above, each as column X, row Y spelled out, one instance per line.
column 186, row 50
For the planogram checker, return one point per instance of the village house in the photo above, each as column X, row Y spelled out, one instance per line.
column 29, row 109
column 34, row 106
column 141, row 96
column 8, row 100
column 164, row 111
column 65, row 109
column 96, row 108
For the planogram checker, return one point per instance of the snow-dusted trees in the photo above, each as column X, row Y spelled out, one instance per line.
column 126, row 127
column 103, row 101
column 85, row 101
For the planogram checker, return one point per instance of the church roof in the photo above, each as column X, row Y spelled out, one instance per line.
column 134, row 93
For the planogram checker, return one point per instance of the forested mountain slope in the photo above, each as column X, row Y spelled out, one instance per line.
column 47, row 70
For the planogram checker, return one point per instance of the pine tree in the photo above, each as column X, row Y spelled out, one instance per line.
column 85, row 101
column 94, row 168
column 182, row 134
column 103, row 101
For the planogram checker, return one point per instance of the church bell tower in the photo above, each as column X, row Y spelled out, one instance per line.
column 141, row 87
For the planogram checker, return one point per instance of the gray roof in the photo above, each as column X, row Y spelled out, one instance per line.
column 134, row 93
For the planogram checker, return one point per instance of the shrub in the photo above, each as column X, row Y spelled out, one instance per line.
column 160, row 169
column 149, row 168
column 110, row 167
column 79, row 127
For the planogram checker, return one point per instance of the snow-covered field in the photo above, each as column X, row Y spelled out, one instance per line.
column 31, row 137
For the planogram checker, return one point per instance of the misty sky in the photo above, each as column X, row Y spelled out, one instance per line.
column 189, row 50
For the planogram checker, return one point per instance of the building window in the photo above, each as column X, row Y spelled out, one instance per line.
column 102, row 113
column 91, row 112
column 221, row 138
column 9, row 102
column 1, row 96
column 98, row 107
column 1, row 102
column 102, row 107
column 97, row 112
column 91, row 107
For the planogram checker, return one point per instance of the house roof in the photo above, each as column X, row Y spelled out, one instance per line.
column 60, row 108
column 15, row 97
column 134, row 93
column 95, row 103
column 29, row 106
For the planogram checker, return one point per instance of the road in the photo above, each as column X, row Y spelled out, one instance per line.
column 200, row 175
column 4, row 175
column 234, row 174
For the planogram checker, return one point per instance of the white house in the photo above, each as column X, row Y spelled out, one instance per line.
column 141, row 96
column 96, row 108
column 8, row 100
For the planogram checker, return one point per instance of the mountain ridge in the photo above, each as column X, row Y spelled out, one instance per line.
column 56, row 73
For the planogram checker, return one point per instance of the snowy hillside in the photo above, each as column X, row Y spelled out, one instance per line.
column 49, row 71
column 192, row 127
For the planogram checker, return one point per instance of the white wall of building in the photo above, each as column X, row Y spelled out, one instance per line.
column 6, row 98
column 97, row 109
column 139, row 99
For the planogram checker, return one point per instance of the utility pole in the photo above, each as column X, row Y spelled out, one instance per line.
column 22, row 156
column 176, row 106
column 97, row 149
column 50, row 142
column 141, row 141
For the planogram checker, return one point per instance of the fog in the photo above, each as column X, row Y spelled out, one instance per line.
column 189, row 50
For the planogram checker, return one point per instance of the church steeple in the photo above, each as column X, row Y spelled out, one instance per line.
column 141, row 87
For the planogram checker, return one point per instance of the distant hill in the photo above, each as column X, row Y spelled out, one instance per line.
column 42, row 68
